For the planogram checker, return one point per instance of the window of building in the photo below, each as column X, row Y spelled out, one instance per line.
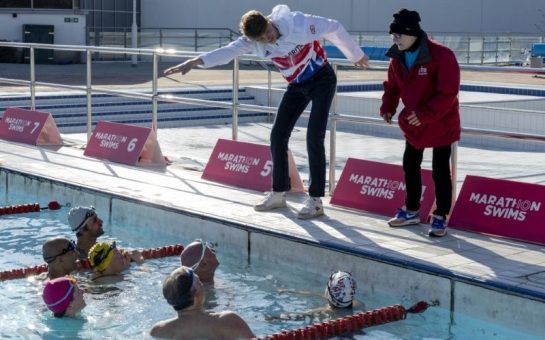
column 54, row 4
column 15, row 3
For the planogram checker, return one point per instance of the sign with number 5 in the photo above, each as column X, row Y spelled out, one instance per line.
column 123, row 143
column 246, row 165
column 29, row 127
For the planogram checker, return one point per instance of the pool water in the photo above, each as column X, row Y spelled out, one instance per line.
column 269, row 297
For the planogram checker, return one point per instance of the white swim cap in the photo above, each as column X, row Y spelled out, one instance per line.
column 79, row 216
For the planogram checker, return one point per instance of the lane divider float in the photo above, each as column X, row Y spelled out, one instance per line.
column 349, row 324
column 152, row 253
column 29, row 207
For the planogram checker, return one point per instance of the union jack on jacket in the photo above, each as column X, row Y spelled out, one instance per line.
column 298, row 53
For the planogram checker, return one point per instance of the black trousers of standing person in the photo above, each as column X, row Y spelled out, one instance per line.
column 412, row 160
column 319, row 90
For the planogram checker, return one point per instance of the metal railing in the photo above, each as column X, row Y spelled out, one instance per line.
column 187, row 39
column 470, row 48
column 235, row 105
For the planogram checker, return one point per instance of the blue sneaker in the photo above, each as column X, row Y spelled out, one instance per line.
column 404, row 218
column 438, row 227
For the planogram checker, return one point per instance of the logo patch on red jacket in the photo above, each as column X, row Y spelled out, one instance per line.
column 422, row 71
column 312, row 29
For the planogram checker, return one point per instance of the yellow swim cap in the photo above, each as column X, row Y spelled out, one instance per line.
column 100, row 255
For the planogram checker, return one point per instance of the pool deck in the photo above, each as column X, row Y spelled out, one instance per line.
column 506, row 264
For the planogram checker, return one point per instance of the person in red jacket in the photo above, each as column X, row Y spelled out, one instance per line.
column 426, row 77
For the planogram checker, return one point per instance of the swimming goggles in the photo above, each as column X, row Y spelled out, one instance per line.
column 70, row 247
column 90, row 213
column 205, row 245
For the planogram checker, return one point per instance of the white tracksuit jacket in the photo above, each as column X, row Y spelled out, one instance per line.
column 298, row 53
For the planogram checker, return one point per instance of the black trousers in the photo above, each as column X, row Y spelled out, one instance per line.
column 319, row 90
column 412, row 160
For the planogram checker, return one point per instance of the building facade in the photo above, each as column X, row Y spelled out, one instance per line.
column 441, row 16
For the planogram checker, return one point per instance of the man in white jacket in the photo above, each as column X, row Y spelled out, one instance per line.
column 292, row 41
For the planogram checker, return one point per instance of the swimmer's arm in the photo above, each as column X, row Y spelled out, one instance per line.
column 300, row 292
column 297, row 316
column 184, row 67
column 134, row 255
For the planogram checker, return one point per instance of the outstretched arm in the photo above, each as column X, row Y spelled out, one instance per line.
column 185, row 66
column 219, row 56
column 133, row 255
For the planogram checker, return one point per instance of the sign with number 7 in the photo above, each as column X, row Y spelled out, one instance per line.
column 246, row 165
column 123, row 143
column 29, row 127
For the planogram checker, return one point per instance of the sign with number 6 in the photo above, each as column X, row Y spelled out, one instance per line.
column 123, row 143
column 29, row 127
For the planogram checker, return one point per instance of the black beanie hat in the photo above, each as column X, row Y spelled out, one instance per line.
column 406, row 22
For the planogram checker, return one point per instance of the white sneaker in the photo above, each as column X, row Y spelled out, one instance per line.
column 313, row 207
column 273, row 200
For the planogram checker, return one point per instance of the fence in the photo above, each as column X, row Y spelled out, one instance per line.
column 187, row 39
column 512, row 49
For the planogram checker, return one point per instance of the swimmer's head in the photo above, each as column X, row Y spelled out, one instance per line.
column 181, row 287
column 340, row 289
column 79, row 216
column 201, row 257
column 63, row 296
column 101, row 255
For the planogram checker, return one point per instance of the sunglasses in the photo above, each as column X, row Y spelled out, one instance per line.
column 70, row 247
column 205, row 245
column 101, row 255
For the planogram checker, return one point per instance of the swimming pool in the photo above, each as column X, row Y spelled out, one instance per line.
column 247, row 281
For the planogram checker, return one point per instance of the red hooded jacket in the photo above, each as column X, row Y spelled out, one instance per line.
column 430, row 89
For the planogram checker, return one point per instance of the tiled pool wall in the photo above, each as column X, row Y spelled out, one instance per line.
column 402, row 281
column 526, row 115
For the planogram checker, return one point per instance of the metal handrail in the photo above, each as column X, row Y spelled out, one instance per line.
column 104, row 49
column 235, row 105
column 470, row 47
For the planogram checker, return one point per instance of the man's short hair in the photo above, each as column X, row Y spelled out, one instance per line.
column 177, row 288
column 253, row 24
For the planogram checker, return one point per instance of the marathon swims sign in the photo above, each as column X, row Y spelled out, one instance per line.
column 245, row 165
column 500, row 207
column 123, row 143
column 378, row 188
column 29, row 127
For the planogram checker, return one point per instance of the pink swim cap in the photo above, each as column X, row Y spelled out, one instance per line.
column 58, row 294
